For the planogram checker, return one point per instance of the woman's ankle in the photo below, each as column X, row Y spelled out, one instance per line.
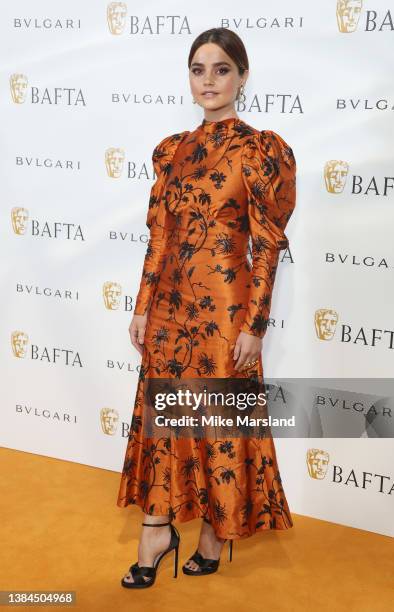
column 154, row 520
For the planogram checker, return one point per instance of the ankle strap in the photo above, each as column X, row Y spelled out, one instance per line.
column 156, row 524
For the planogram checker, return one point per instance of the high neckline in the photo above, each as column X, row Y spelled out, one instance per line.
column 214, row 126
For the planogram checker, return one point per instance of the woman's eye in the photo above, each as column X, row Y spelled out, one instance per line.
column 220, row 70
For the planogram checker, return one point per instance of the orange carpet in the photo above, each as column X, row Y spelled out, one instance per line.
column 62, row 530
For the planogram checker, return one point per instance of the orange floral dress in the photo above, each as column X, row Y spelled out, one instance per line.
column 216, row 187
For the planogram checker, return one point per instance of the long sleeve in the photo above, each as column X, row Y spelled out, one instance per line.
column 269, row 174
column 155, row 221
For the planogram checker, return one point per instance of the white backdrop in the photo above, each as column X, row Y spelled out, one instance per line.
column 75, row 84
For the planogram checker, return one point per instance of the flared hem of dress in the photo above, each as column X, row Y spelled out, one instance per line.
column 218, row 533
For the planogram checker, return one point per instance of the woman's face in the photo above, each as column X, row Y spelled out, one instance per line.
column 214, row 78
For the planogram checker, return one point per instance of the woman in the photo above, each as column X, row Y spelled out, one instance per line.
column 202, row 311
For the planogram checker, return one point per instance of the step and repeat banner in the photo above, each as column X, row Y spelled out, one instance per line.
column 87, row 91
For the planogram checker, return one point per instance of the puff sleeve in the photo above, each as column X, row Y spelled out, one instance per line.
column 269, row 174
column 155, row 221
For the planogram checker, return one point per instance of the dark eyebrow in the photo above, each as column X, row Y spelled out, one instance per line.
column 215, row 64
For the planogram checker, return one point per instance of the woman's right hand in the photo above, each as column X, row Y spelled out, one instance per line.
column 137, row 330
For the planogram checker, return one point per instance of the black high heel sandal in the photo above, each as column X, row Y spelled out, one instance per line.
column 139, row 571
column 206, row 566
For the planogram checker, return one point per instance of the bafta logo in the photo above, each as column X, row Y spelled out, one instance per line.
column 116, row 17
column 19, row 340
column 114, row 159
column 348, row 14
column 111, row 294
column 325, row 323
column 335, row 174
column 18, row 85
column 19, row 219
column 109, row 420
column 317, row 462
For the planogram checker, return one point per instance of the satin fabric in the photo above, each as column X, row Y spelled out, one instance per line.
column 216, row 187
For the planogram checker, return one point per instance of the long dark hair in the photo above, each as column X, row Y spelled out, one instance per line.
column 228, row 40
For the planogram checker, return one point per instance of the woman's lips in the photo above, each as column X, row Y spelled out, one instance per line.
column 209, row 94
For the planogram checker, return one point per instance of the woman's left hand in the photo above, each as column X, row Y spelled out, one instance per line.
column 247, row 350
